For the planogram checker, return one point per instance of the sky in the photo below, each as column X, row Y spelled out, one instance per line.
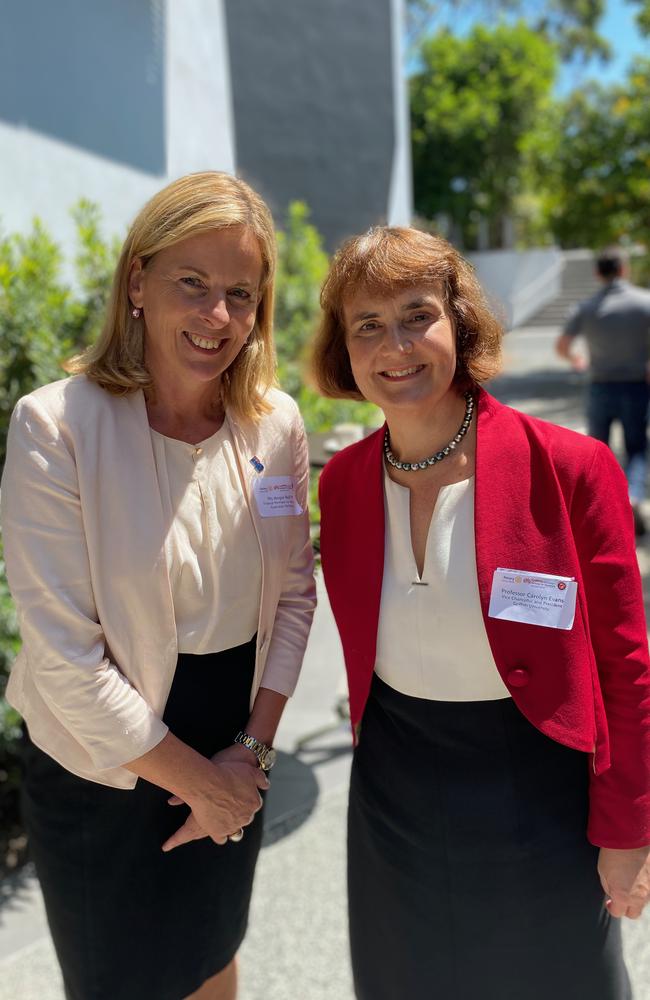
column 619, row 28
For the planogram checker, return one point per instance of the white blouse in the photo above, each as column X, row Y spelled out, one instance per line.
column 213, row 555
column 431, row 641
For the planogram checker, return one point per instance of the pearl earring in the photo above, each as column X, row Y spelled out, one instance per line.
column 135, row 312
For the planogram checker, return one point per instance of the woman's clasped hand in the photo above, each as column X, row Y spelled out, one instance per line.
column 226, row 802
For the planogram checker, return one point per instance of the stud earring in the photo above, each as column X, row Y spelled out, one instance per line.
column 135, row 312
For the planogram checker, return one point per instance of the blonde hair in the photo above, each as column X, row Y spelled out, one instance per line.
column 389, row 259
column 193, row 204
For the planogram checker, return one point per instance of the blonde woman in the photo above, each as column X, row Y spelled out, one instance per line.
column 165, row 596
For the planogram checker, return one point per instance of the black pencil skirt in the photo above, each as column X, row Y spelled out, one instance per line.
column 128, row 921
column 469, row 873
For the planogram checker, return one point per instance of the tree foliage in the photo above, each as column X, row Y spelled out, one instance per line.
column 42, row 320
column 302, row 266
column 474, row 104
column 572, row 25
column 596, row 177
column 643, row 15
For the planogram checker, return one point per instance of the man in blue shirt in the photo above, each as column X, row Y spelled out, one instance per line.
column 615, row 323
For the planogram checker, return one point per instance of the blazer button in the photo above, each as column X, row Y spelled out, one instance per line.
column 518, row 678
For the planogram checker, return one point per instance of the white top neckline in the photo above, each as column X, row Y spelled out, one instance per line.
column 446, row 494
column 211, row 547
column 205, row 443
column 431, row 639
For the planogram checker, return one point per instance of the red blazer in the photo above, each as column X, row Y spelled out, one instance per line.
column 547, row 500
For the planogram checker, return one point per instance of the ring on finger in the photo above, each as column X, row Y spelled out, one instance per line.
column 236, row 837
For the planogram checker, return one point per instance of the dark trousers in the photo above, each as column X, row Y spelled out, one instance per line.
column 626, row 402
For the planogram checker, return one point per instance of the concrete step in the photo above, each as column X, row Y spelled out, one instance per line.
column 578, row 283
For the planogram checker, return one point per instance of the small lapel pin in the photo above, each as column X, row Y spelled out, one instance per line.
column 257, row 465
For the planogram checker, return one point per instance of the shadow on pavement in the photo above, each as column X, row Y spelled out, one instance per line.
column 14, row 887
column 290, row 799
column 550, row 394
column 295, row 787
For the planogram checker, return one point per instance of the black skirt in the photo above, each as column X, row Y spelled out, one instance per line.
column 469, row 873
column 128, row 921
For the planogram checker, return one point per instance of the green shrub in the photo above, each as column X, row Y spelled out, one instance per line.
column 43, row 320
column 12, row 841
column 302, row 266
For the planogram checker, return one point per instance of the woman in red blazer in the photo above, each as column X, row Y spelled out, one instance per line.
column 481, row 568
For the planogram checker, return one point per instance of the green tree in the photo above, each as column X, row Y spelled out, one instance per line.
column 42, row 320
column 37, row 317
column 596, row 180
column 302, row 266
column 474, row 105
column 95, row 263
column 571, row 24
column 643, row 15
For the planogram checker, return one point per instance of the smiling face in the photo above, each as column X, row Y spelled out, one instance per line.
column 402, row 349
column 199, row 299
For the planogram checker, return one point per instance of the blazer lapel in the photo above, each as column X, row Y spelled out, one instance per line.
column 515, row 522
column 246, row 442
column 353, row 559
column 127, row 533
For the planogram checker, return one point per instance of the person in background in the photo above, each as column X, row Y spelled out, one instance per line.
column 165, row 594
column 482, row 572
column 615, row 323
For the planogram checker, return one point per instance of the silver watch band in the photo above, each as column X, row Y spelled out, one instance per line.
column 264, row 753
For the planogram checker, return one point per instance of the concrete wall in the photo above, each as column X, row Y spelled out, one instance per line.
column 108, row 102
column 519, row 282
column 400, row 201
column 71, row 70
column 316, row 97
column 111, row 101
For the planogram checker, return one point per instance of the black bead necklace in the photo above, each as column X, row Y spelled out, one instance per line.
column 439, row 455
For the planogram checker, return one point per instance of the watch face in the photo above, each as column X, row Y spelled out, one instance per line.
column 269, row 759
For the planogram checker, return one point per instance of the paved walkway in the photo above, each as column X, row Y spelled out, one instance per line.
column 296, row 948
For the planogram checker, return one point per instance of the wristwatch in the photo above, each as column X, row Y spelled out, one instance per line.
column 265, row 755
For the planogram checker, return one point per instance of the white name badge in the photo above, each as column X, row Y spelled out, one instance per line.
column 534, row 598
column 276, row 496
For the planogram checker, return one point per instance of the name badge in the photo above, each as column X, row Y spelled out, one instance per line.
column 534, row 598
column 276, row 496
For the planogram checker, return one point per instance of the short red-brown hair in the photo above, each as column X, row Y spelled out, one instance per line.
column 386, row 260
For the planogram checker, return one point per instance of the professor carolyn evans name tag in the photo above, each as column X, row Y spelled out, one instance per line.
column 276, row 496
column 534, row 598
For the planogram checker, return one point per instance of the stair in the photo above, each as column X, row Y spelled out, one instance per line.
column 578, row 282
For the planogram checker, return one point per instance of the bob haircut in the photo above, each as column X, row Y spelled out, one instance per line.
column 386, row 260
column 193, row 204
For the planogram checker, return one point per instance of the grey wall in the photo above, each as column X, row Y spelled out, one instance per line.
column 90, row 73
column 312, row 85
column 102, row 137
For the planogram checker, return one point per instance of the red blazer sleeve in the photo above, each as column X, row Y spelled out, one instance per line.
column 602, row 524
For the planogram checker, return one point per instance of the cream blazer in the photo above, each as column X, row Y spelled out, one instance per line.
column 84, row 541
